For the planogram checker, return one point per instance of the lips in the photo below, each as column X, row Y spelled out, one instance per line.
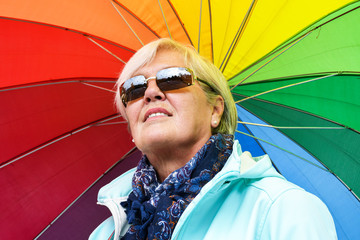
column 155, row 112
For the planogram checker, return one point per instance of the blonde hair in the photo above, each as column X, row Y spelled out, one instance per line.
column 203, row 69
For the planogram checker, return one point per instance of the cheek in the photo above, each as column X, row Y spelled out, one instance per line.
column 131, row 116
column 199, row 104
column 195, row 109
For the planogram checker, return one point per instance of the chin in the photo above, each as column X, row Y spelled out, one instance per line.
column 155, row 138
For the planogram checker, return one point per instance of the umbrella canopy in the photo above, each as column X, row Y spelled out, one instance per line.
column 293, row 67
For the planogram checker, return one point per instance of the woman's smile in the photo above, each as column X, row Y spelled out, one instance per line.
column 155, row 113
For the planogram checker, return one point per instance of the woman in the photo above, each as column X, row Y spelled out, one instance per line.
column 194, row 182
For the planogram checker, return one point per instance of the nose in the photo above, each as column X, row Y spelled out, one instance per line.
column 153, row 92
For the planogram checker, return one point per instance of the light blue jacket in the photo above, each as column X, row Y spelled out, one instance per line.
column 246, row 200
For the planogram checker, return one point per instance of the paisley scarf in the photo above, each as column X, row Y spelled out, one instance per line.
column 154, row 208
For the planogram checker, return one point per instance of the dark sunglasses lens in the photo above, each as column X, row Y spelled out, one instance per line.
column 133, row 88
column 166, row 79
column 173, row 78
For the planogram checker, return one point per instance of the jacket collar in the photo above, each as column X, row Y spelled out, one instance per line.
column 243, row 165
column 119, row 188
column 239, row 165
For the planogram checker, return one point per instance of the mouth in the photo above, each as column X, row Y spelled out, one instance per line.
column 156, row 112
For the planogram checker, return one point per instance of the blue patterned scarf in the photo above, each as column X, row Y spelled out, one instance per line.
column 154, row 208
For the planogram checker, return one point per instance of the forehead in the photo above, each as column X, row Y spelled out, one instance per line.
column 163, row 59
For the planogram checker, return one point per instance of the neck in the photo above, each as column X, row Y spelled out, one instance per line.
column 166, row 160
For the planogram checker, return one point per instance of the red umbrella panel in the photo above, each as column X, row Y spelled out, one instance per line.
column 59, row 130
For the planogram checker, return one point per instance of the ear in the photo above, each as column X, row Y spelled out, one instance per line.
column 218, row 109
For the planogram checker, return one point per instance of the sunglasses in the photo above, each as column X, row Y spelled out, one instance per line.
column 166, row 79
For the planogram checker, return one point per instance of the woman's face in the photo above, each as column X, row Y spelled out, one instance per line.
column 171, row 119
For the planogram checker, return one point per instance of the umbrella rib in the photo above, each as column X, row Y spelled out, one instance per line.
column 163, row 14
column 257, row 141
column 86, row 190
column 132, row 30
column 237, row 36
column 301, row 75
column 106, row 50
column 139, row 20
column 98, row 87
column 283, row 149
column 53, row 83
column 57, row 139
column 107, row 124
column 302, row 111
column 70, row 30
column 325, row 168
column 181, row 23
column 272, row 59
column 211, row 32
column 288, row 127
column 311, row 30
column 199, row 32
column 283, row 87
column 286, row 47
column 250, row 132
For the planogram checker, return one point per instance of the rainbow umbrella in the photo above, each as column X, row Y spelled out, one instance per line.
column 293, row 67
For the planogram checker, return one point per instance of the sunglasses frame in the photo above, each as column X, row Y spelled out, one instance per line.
column 145, row 82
